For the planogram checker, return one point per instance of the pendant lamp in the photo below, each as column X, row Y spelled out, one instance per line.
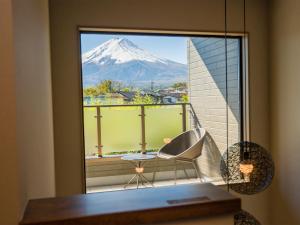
column 246, row 167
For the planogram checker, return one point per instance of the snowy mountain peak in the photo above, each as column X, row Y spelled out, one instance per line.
column 119, row 50
column 121, row 60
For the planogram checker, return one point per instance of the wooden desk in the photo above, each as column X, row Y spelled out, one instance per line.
column 142, row 206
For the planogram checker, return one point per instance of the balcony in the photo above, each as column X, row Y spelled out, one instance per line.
column 112, row 131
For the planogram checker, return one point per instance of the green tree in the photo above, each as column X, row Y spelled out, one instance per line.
column 90, row 91
column 140, row 99
column 126, row 89
column 185, row 98
column 180, row 86
column 116, row 86
column 105, row 87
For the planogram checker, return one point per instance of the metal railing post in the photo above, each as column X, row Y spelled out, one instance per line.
column 183, row 117
column 142, row 115
column 194, row 115
column 99, row 141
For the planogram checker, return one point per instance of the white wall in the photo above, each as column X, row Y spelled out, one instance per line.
column 285, row 110
column 10, row 207
column 193, row 15
column 27, row 166
column 284, row 80
column 34, row 97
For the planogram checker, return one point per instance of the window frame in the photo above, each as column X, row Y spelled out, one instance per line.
column 244, row 67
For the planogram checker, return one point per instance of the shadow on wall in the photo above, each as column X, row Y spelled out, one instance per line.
column 209, row 162
column 211, row 54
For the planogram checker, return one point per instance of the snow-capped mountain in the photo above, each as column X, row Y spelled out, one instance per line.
column 121, row 60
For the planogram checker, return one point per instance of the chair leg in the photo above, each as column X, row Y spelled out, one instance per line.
column 196, row 169
column 155, row 170
column 186, row 174
column 175, row 172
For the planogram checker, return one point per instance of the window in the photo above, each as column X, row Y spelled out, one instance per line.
column 142, row 90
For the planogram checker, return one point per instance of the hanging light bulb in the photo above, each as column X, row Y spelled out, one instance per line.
column 246, row 168
column 246, row 165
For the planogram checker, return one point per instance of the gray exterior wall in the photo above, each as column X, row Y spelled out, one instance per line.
column 207, row 89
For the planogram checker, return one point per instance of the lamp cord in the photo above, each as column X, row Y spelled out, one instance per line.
column 226, row 76
column 245, row 59
column 226, row 87
column 244, row 18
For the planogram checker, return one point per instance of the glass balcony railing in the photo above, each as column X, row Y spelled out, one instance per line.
column 120, row 129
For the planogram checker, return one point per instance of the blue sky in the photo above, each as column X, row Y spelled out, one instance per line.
column 170, row 47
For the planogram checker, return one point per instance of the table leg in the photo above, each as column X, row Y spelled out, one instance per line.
column 140, row 178
column 130, row 181
column 147, row 181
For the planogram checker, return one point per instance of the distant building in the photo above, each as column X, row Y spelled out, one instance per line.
column 169, row 100
column 127, row 95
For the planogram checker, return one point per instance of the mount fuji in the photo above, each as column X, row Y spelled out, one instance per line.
column 121, row 60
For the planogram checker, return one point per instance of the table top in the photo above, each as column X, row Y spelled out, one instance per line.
column 133, row 207
column 138, row 157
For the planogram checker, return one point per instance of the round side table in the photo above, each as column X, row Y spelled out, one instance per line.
column 138, row 161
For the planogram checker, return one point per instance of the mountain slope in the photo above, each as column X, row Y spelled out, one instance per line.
column 120, row 59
